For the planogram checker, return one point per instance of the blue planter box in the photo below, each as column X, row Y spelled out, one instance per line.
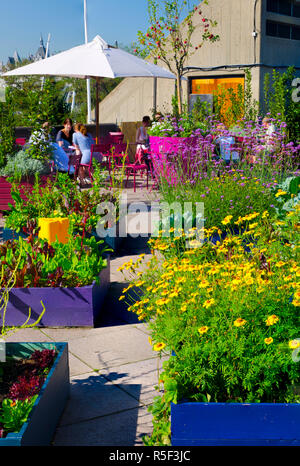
column 235, row 424
column 40, row 426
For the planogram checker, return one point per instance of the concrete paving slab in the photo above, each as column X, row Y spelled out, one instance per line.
column 119, row 429
column 138, row 379
column 112, row 346
column 92, row 395
column 30, row 335
column 77, row 367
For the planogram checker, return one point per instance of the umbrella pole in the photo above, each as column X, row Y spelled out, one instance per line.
column 97, row 109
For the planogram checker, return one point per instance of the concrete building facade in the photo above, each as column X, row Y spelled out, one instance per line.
column 257, row 34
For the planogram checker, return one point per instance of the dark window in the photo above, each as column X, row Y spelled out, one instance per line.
column 271, row 28
column 296, row 11
column 272, row 5
column 284, row 31
column 278, row 29
column 284, row 7
column 296, row 32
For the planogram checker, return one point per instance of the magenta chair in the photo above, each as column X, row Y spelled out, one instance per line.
column 99, row 151
column 20, row 141
column 116, row 138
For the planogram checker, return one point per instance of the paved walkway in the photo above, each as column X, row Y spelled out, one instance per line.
column 113, row 370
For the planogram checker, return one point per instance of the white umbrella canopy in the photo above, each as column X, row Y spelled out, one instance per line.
column 96, row 59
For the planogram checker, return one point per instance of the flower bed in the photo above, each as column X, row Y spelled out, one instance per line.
column 34, row 390
column 70, row 279
column 229, row 315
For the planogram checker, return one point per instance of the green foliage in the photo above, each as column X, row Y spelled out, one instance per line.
column 232, row 106
column 59, row 198
column 169, row 36
column 227, row 311
column 289, row 196
column 233, row 193
column 201, row 111
column 22, row 165
column 15, row 413
column 7, row 127
column 76, row 263
column 278, row 100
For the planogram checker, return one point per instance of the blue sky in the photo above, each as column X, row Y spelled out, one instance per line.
column 22, row 22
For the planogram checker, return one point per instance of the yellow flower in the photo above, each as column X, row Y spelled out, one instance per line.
column 265, row 214
column 150, row 341
column 203, row 284
column 268, row 341
column 271, row 320
column 159, row 346
column 208, row 303
column 293, row 344
column 202, row 330
column 227, row 220
column 183, row 307
column 280, row 193
column 253, row 225
column 121, row 298
column 239, row 322
column 280, row 264
column 162, row 301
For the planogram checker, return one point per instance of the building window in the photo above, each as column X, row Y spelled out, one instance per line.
column 296, row 32
column 282, row 30
column 284, row 7
column 211, row 85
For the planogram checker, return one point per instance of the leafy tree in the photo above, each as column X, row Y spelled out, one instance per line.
column 7, row 127
column 169, row 36
column 278, row 100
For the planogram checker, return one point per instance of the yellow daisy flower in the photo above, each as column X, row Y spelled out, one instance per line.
column 268, row 341
column 271, row 320
column 239, row 322
column 203, row 329
column 159, row 346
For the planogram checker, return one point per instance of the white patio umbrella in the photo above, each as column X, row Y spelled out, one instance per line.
column 96, row 59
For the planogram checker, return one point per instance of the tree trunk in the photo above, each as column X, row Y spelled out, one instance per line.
column 178, row 81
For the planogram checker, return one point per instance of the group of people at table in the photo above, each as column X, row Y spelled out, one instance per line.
column 75, row 141
column 69, row 142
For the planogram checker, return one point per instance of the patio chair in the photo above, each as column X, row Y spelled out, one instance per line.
column 100, row 152
column 20, row 141
column 116, row 156
column 116, row 137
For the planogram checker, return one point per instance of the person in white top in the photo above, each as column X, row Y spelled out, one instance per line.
column 225, row 142
column 142, row 140
column 269, row 133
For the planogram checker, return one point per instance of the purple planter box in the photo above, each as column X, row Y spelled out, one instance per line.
column 65, row 307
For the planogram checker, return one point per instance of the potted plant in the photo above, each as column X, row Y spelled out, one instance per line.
column 21, row 170
column 72, row 280
column 229, row 316
column 34, row 384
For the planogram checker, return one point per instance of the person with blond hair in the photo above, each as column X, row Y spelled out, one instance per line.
column 83, row 141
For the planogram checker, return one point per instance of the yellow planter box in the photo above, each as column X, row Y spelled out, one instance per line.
column 53, row 229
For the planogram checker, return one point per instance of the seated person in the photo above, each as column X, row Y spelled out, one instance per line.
column 142, row 141
column 224, row 141
column 83, row 142
column 57, row 154
column 64, row 137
